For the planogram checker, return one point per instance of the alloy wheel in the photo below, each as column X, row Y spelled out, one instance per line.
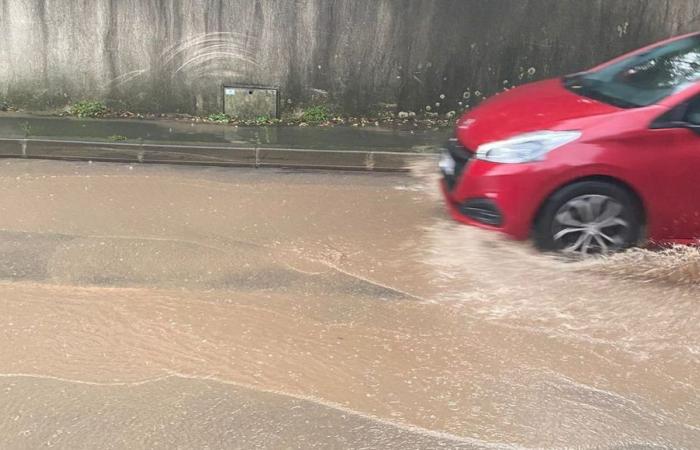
column 591, row 224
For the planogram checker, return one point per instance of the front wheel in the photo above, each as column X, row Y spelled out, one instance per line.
column 588, row 218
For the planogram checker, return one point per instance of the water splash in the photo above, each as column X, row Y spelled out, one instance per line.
column 675, row 265
column 641, row 302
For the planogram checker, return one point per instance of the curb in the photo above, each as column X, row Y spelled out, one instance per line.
column 203, row 155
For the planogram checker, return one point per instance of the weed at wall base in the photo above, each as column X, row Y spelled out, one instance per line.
column 88, row 109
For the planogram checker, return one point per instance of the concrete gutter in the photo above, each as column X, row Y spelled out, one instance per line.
column 210, row 155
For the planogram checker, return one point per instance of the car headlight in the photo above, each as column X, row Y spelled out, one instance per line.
column 525, row 147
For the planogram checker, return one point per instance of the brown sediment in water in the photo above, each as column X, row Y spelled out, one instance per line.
column 352, row 291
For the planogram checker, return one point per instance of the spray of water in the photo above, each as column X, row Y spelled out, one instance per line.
column 642, row 302
column 675, row 265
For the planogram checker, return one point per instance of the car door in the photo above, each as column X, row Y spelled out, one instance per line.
column 677, row 171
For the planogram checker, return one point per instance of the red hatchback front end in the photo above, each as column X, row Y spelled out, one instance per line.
column 506, row 197
column 596, row 161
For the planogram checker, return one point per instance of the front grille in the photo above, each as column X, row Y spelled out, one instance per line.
column 461, row 157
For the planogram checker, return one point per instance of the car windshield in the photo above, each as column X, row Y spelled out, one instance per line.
column 644, row 78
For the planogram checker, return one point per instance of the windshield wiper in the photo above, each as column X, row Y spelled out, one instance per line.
column 602, row 97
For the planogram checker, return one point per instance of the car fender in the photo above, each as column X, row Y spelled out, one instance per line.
column 588, row 172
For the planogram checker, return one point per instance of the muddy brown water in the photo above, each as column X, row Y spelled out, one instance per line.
column 160, row 307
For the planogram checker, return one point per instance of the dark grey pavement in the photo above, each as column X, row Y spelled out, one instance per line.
column 181, row 142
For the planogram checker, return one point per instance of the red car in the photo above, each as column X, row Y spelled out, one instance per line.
column 590, row 163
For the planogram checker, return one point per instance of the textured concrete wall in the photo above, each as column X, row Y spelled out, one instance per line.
column 173, row 55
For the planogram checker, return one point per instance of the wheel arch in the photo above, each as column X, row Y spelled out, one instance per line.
column 636, row 196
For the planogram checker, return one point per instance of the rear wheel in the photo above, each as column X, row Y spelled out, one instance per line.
column 587, row 218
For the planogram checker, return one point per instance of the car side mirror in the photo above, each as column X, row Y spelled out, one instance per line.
column 683, row 116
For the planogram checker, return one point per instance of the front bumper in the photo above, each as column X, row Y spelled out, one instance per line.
column 499, row 197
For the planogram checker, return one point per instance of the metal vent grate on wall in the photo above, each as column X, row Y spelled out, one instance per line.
column 251, row 102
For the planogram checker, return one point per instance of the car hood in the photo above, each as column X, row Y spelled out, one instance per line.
column 546, row 105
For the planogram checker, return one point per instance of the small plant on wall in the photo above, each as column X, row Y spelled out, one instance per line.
column 263, row 120
column 88, row 108
column 315, row 114
column 117, row 138
column 219, row 118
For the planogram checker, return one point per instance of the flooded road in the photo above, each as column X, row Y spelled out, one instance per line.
column 161, row 307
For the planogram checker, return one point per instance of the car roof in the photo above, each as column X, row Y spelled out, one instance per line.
column 645, row 48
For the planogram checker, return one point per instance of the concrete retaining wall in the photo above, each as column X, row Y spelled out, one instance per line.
column 174, row 55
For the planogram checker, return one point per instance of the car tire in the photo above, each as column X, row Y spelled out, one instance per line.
column 589, row 217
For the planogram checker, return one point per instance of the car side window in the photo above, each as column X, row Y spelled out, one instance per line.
column 692, row 114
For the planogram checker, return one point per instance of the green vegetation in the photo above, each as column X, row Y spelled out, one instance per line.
column 26, row 128
column 219, row 118
column 88, row 108
column 262, row 120
column 117, row 138
column 315, row 114
column 322, row 115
